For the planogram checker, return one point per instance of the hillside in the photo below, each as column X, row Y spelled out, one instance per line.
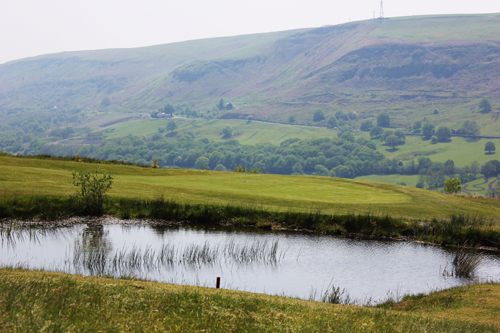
column 403, row 65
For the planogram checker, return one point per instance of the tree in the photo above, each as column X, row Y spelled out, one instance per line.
column 428, row 130
column 318, row 115
column 297, row 169
column 227, row 132
column 105, row 102
column 201, row 163
column 291, row 119
column 168, row 109
column 469, row 128
column 366, row 125
column 383, row 120
column 484, row 106
column 434, row 140
column 443, row 134
column 171, row 126
column 489, row 169
column 332, row 122
column 392, row 141
column 92, row 190
column 221, row 105
column 489, row 147
column 320, row 170
column 452, row 185
column 376, row 132
column 229, row 106
column 417, row 126
column 348, row 136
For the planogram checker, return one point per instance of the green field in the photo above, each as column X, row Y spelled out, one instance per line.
column 26, row 177
column 246, row 133
column 41, row 301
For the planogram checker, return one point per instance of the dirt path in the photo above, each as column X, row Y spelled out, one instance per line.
column 490, row 186
column 464, row 190
column 481, row 188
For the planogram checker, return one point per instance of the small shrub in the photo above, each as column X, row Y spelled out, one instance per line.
column 92, row 190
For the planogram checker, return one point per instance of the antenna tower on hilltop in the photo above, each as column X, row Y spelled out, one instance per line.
column 381, row 9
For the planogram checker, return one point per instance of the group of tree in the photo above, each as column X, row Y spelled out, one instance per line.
column 223, row 106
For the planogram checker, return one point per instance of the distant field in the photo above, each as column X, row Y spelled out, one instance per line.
column 246, row 133
column 26, row 177
column 459, row 150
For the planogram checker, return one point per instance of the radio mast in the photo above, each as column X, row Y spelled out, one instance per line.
column 381, row 9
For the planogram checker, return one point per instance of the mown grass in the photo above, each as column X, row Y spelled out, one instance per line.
column 27, row 177
column 41, row 301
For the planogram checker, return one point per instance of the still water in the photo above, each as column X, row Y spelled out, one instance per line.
column 277, row 263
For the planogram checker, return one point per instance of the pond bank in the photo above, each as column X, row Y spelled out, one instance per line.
column 62, row 302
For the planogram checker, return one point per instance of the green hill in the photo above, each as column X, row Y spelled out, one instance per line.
column 407, row 66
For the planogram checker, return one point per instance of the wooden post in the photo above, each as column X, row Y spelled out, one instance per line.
column 433, row 230
column 217, row 285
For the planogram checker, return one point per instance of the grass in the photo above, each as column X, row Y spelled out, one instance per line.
column 27, row 177
column 246, row 133
column 41, row 301
column 461, row 151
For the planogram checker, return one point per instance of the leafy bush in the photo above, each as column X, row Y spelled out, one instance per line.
column 92, row 190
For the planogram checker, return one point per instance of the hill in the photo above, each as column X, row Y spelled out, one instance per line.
column 402, row 65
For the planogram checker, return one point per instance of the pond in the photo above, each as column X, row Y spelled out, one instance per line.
column 284, row 263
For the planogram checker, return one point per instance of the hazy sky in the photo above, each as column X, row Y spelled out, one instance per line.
column 34, row 27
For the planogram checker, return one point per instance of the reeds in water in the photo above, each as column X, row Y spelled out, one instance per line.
column 99, row 261
column 465, row 263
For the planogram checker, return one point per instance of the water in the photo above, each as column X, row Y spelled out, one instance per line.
column 277, row 263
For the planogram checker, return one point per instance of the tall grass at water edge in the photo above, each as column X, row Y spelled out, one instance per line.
column 458, row 229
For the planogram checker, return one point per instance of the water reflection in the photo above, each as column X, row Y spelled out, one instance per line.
column 285, row 263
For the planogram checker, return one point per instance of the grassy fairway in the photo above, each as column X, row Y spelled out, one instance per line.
column 29, row 176
column 40, row 301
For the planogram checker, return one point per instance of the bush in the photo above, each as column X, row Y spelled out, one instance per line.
column 92, row 192
column 434, row 140
column 452, row 185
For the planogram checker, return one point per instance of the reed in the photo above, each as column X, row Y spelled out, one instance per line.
column 99, row 261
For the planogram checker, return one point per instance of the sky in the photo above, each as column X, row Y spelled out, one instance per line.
column 34, row 27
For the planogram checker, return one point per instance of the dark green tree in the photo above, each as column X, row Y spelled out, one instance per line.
column 105, row 102
column 291, row 119
column 171, row 126
column 484, row 106
column 428, row 130
column 222, row 105
column 383, row 120
column 443, row 134
column 392, row 141
column 332, row 122
column 318, row 115
column 376, row 132
column 489, row 147
column 227, row 132
column 366, row 125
